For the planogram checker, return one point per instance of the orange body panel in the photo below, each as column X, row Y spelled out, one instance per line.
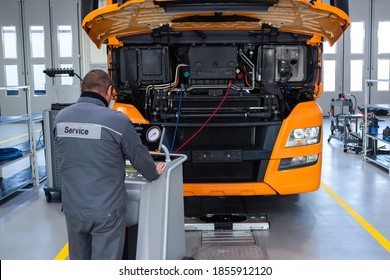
column 130, row 111
column 228, row 189
column 306, row 114
column 141, row 16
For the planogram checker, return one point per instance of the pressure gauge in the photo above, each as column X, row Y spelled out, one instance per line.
column 153, row 134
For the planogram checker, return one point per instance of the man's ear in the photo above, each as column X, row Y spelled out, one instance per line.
column 108, row 93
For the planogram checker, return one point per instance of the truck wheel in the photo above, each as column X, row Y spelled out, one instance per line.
column 48, row 196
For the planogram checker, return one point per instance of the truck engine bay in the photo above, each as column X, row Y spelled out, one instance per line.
column 237, row 91
column 267, row 80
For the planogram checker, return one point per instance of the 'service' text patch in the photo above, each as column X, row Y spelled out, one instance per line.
column 79, row 130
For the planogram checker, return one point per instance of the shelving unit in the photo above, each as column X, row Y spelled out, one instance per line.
column 371, row 150
column 34, row 174
column 379, row 156
column 345, row 125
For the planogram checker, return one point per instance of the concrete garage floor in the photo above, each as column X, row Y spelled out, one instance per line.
column 346, row 219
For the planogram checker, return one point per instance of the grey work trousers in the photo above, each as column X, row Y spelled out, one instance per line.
column 96, row 239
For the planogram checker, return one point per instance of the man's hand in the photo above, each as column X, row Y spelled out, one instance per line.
column 160, row 167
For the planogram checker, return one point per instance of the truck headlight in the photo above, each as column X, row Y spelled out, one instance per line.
column 304, row 136
column 295, row 162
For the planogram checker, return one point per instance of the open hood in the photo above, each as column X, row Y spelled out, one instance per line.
column 313, row 18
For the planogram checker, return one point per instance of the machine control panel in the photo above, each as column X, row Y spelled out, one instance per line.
column 132, row 174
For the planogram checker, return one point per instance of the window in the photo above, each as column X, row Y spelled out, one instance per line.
column 329, row 75
column 37, row 41
column 383, row 73
column 39, row 79
column 383, row 52
column 11, row 79
column 65, row 40
column 357, row 37
column 66, row 80
column 9, row 42
column 383, row 37
column 356, row 78
column 329, row 49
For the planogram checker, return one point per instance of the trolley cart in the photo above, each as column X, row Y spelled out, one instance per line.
column 155, row 216
column 345, row 124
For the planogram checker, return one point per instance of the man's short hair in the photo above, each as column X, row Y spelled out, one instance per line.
column 96, row 80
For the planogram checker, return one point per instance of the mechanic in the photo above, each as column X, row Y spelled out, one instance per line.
column 93, row 142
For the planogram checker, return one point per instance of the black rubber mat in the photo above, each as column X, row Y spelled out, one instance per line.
column 200, row 206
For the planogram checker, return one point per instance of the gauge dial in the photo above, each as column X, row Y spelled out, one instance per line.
column 153, row 134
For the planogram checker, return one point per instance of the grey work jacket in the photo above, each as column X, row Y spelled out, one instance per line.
column 92, row 142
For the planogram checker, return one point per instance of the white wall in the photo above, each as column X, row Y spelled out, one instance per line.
column 92, row 57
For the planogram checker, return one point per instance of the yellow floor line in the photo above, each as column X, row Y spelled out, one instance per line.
column 17, row 137
column 366, row 225
column 13, row 138
column 63, row 254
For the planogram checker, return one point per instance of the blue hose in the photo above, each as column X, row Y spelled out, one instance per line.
column 177, row 120
column 10, row 153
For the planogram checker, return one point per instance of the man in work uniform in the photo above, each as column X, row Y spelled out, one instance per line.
column 92, row 144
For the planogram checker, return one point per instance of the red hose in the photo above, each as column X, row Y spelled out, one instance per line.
column 207, row 121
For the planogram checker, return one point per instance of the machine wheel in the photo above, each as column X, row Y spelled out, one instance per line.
column 48, row 196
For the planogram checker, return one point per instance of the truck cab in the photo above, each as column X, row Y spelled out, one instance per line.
column 234, row 83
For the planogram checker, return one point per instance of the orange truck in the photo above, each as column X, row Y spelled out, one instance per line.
column 233, row 82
